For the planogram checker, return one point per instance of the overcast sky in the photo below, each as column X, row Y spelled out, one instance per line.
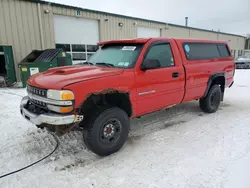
column 228, row 16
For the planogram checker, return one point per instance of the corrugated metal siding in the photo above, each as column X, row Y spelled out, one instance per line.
column 48, row 27
column 203, row 35
column 234, row 42
column 3, row 38
column 19, row 28
column 35, row 26
column 176, row 32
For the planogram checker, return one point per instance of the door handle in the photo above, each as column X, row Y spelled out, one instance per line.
column 175, row 75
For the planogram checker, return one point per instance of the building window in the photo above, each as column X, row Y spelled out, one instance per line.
column 80, row 53
column 92, row 48
column 79, row 56
column 65, row 47
column 240, row 52
column 78, row 48
column 234, row 53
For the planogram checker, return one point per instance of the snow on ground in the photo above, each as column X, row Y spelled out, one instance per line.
column 181, row 147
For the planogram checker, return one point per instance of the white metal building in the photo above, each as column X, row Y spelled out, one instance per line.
column 32, row 24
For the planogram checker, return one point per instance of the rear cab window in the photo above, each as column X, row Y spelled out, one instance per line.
column 205, row 51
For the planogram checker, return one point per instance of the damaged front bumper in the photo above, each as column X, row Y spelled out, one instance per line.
column 47, row 118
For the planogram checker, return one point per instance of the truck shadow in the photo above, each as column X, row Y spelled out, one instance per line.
column 165, row 119
column 140, row 127
column 72, row 143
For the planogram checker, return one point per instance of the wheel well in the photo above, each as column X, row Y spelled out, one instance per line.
column 115, row 98
column 220, row 80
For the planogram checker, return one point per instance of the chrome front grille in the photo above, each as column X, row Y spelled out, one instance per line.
column 39, row 103
column 37, row 91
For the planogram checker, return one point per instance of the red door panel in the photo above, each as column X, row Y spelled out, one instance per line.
column 157, row 89
column 161, row 87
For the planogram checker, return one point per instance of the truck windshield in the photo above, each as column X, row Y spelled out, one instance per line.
column 116, row 55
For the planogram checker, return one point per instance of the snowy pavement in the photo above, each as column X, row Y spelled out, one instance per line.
column 181, row 147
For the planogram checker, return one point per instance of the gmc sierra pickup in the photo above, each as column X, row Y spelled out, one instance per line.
column 126, row 79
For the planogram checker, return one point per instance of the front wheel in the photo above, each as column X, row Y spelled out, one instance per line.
column 106, row 130
column 211, row 102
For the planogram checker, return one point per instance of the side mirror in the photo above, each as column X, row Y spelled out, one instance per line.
column 150, row 64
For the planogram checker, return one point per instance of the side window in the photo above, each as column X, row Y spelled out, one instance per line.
column 198, row 51
column 224, row 52
column 163, row 53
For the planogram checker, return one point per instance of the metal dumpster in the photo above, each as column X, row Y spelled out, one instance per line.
column 41, row 60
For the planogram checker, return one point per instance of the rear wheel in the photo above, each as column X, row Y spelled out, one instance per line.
column 106, row 130
column 211, row 102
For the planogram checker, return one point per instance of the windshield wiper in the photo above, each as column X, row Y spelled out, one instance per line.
column 87, row 63
column 105, row 64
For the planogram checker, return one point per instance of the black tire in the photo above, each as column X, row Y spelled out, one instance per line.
column 211, row 102
column 94, row 134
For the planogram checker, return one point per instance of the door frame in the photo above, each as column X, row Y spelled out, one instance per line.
column 142, row 57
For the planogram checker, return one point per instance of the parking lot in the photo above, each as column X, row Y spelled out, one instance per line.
column 178, row 147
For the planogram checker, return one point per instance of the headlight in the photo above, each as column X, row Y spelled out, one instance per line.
column 60, row 95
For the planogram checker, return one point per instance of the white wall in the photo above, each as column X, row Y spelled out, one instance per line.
column 144, row 32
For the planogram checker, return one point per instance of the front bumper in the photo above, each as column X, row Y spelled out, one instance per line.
column 47, row 118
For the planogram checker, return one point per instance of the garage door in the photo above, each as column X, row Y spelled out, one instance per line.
column 144, row 32
column 77, row 36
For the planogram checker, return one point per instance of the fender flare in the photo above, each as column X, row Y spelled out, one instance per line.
column 210, row 81
column 102, row 98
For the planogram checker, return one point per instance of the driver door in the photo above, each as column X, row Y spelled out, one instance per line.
column 159, row 87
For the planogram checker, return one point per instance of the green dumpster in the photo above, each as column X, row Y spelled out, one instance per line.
column 41, row 60
column 7, row 66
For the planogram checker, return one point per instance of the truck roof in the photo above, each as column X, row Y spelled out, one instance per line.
column 136, row 40
column 144, row 40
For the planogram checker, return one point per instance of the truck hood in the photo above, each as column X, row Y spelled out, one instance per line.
column 57, row 78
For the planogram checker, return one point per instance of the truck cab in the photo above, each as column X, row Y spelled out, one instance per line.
column 125, row 79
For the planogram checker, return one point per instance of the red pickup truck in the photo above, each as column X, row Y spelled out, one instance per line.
column 126, row 79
